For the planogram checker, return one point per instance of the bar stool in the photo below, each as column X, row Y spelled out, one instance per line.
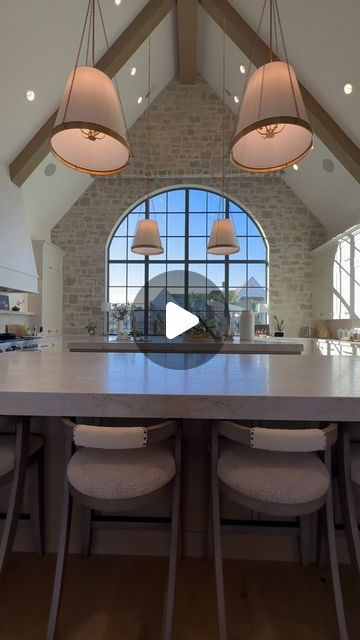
column 276, row 472
column 21, row 454
column 115, row 469
column 348, row 458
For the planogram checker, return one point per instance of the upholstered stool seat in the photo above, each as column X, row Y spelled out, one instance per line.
column 7, row 451
column 121, row 474
column 276, row 477
column 355, row 462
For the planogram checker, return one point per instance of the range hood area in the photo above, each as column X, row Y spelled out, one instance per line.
column 17, row 263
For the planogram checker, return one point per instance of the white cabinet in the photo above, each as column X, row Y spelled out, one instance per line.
column 48, row 304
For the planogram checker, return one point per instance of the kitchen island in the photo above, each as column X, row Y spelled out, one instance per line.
column 161, row 345
column 264, row 387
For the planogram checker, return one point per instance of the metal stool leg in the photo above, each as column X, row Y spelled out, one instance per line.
column 17, row 490
column 347, row 497
column 86, row 530
column 305, row 539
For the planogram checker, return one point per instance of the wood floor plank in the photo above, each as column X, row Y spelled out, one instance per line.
column 114, row 597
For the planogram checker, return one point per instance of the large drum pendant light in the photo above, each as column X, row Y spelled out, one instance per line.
column 273, row 130
column 147, row 241
column 222, row 241
column 90, row 131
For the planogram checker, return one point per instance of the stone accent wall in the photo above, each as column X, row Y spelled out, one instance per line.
column 186, row 149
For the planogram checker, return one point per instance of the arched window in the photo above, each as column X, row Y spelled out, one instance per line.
column 185, row 217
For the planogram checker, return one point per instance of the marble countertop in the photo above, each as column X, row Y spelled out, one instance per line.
column 258, row 345
column 227, row 386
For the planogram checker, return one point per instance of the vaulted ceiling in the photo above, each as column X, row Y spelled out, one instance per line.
column 38, row 43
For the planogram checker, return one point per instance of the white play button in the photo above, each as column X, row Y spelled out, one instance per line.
column 178, row 320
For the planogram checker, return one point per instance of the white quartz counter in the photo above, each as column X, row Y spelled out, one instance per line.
column 227, row 386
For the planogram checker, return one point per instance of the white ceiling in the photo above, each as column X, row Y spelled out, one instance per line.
column 38, row 45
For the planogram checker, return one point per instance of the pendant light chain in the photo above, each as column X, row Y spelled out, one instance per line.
column 148, row 122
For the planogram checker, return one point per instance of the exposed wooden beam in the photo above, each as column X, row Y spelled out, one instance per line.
column 187, row 11
column 329, row 132
column 111, row 63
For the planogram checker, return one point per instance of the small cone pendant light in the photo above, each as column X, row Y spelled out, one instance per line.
column 222, row 241
column 90, row 131
column 273, row 130
column 147, row 239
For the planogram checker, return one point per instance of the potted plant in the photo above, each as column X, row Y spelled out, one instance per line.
column 279, row 331
column 91, row 327
column 119, row 313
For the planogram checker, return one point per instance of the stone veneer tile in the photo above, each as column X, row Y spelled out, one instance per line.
column 186, row 146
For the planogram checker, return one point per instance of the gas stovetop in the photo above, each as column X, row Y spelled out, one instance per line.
column 19, row 344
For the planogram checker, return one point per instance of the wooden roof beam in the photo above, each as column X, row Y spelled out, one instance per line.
column 324, row 126
column 111, row 63
column 187, row 11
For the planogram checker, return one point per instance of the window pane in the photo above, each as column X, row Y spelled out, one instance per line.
column 257, row 272
column 175, row 249
column 160, row 257
column 210, row 220
column 175, row 275
column 197, row 248
column 132, row 293
column 197, row 224
column 215, row 202
column 117, row 295
column 176, row 224
column 118, row 249
column 122, row 228
column 197, row 298
column 158, row 203
column 176, row 200
column 256, row 249
column 176, row 295
column 117, row 275
column 157, row 270
column 161, row 222
column 197, row 200
column 216, row 273
column 136, row 275
column 239, row 220
column 140, row 208
column 252, row 228
column 157, row 297
column 237, row 275
column 197, row 268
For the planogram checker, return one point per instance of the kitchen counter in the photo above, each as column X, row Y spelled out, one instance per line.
column 161, row 345
column 227, row 386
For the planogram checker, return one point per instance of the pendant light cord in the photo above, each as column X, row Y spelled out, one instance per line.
column 89, row 9
column 148, row 122
column 248, row 73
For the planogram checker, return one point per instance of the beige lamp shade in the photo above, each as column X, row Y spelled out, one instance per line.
column 273, row 130
column 147, row 238
column 222, row 239
column 90, row 133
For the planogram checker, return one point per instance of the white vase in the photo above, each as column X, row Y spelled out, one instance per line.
column 247, row 325
column 120, row 330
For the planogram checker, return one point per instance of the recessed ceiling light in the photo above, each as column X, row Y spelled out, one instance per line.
column 50, row 169
column 236, row 99
column 328, row 165
column 133, row 71
column 30, row 95
column 117, row 2
column 242, row 68
column 348, row 88
column 139, row 99
column 295, row 167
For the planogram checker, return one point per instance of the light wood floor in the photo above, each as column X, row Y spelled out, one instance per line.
column 113, row 597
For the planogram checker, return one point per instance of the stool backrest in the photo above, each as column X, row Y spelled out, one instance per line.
column 99, row 437
column 290, row 440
